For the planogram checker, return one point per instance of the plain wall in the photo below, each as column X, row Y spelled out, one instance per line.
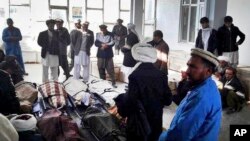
column 239, row 10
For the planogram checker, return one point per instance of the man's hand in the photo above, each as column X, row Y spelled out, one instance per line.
column 104, row 46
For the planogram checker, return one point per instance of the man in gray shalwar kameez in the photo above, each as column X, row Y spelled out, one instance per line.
column 120, row 33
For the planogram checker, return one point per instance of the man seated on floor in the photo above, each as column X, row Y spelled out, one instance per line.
column 11, row 66
column 9, row 103
column 224, row 63
column 232, row 93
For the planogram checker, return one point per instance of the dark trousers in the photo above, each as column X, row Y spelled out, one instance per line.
column 233, row 100
column 63, row 61
column 106, row 64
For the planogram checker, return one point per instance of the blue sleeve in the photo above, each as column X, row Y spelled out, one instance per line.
column 5, row 36
column 188, row 123
column 19, row 35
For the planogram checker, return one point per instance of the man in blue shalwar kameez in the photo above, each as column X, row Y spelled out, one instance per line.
column 11, row 37
column 198, row 117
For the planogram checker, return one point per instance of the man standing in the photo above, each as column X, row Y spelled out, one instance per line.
column 76, row 40
column 198, row 117
column 206, row 38
column 49, row 42
column 128, row 60
column 232, row 93
column 105, row 42
column 11, row 37
column 162, row 51
column 82, row 53
column 64, row 41
column 227, row 41
column 148, row 86
column 120, row 33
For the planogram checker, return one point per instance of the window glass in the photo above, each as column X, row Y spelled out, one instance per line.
column 19, row 2
column 126, row 17
column 59, row 14
column 94, row 3
column 125, row 4
column 184, row 26
column 192, row 28
column 186, row 2
column 59, row 2
column 149, row 10
column 148, row 31
column 20, row 21
column 194, row 1
column 111, row 11
column 95, row 19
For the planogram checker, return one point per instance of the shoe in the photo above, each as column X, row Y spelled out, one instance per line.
column 230, row 111
column 114, row 86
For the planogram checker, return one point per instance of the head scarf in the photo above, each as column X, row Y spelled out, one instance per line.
column 132, row 28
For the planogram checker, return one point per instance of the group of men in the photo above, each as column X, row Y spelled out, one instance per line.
column 222, row 42
column 197, row 117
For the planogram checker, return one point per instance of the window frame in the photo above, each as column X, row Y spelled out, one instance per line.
column 198, row 5
column 153, row 24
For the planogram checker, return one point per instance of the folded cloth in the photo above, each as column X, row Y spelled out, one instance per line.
column 24, row 122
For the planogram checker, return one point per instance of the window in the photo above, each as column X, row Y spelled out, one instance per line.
column 191, row 12
column 149, row 17
column 111, row 11
column 94, row 3
column 59, row 2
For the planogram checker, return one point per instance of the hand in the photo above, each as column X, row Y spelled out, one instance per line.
column 237, row 44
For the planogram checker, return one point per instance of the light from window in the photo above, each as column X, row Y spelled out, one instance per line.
column 149, row 11
column 125, row 4
column 94, row 4
column 186, row 2
column 111, row 11
column 19, row 2
column 59, row 2
column 184, row 27
column 126, row 17
column 192, row 27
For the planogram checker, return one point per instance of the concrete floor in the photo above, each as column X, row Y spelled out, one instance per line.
column 243, row 117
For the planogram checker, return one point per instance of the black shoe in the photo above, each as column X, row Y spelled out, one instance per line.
column 114, row 86
column 230, row 111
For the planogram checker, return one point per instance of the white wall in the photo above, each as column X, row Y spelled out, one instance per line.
column 168, row 21
column 239, row 10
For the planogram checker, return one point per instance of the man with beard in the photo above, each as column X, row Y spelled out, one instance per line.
column 233, row 92
column 198, row 116
column 76, row 41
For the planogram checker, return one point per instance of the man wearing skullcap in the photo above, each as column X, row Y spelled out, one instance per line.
column 49, row 42
column 224, row 63
column 75, row 38
column 162, row 51
column 105, row 42
column 120, row 33
column 64, row 41
column 148, row 85
column 82, row 53
column 11, row 37
column 198, row 116
column 128, row 61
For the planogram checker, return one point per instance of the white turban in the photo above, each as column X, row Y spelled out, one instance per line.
column 22, row 124
column 132, row 28
column 144, row 53
column 223, row 58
